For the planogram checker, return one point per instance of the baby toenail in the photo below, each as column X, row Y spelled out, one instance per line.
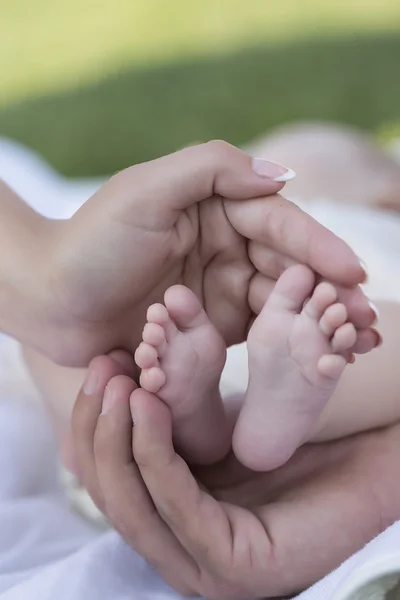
column 364, row 268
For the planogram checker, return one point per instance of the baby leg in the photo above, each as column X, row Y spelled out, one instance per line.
column 334, row 162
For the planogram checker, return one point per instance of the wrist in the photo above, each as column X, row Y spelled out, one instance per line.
column 26, row 310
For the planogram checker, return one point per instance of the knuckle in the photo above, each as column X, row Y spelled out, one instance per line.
column 155, row 459
column 218, row 148
column 221, row 590
column 127, row 528
column 101, row 444
column 176, row 583
column 143, row 458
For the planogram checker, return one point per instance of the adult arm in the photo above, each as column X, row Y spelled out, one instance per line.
column 26, row 241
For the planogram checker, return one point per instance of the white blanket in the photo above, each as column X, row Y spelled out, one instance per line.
column 48, row 552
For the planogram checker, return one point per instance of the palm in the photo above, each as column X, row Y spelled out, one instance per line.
column 198, row 248
column 274, row 516
column 184, row 218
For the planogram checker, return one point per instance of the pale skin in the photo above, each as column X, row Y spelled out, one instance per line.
column 188, row 537
column 73, row 298
column 298, row 348
column 155, row 212
column 340, row 164
column 262, row 508
column 373, row 375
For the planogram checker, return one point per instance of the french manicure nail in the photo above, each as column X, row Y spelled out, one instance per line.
column 108, row 400
column 364, row 268
column 272, row 170
column 374, row 309
column 91, row 382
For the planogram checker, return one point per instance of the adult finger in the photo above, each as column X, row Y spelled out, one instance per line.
column 267, row 261
column 270, row 265
column 360, row 310
column 367, row 340
column 259, row 289
column 196, row 518
column 85, row 414
column 285, row 228
column 179, row 180
column 126, row 501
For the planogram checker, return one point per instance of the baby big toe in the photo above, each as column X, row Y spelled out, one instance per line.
column 185, row 308
column 331, row 366
column 291, row 290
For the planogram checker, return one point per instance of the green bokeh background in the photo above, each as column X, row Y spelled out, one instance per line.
column 95, row 86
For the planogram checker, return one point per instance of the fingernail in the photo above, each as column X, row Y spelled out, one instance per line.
column 379, row 339
column 91, row 383
column 108, row 400
column 364, row 268
column 352, row 359
column 272, row 170
column 374, row 309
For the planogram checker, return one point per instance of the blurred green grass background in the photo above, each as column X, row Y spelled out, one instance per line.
column 95, row 86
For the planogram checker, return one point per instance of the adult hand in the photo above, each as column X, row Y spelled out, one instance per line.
column 229, row 533
column 197, row 217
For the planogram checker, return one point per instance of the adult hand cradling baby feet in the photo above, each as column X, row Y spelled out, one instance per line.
column 81, row 287
column 223, row 531
column 298, row 348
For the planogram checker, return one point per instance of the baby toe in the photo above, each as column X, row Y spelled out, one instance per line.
column 146, row 356
column 344, row 338
column 157, row 313
column 152, row 379
column 153, row 334
column 291, row 290
column 334, row 316
column 185, row 308
column 331, row 366
column 324, row 295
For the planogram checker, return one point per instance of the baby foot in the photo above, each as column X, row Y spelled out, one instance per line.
column 182, row 356
column 297, row 347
